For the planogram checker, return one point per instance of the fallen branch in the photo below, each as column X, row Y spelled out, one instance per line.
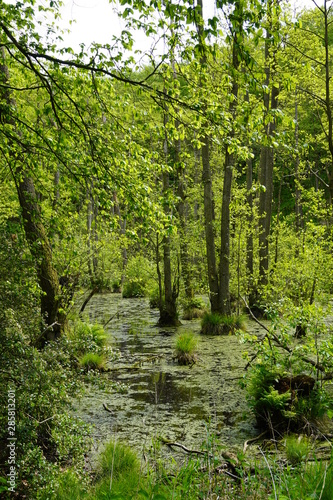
column 253, row 440
column 90, row 296
column 107, row 408
column 117, row 314
column 179, row 445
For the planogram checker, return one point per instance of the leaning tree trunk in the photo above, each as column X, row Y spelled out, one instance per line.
column 33, row 226
column 41, row 250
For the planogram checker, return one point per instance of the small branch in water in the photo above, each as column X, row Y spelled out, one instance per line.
column 115, row 315
column 107, row 408
column 179, row 445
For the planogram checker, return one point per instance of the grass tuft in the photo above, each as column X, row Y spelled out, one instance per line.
column 217, row 324
column 92, row 361
column 185, row 348
column 297, row 449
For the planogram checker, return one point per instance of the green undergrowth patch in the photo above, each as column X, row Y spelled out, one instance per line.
column 193, row 308
column 217, row 324
column 122, row 474
column 283, row 401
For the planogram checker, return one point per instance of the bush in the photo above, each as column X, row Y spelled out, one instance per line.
column 50, row 438
column 185, row 348
column 217, row 324
column 193, row 308
column 154, row 298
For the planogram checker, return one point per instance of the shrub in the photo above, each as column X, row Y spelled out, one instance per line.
column 217, row 324
column 185, row 348
column 134, row 288
column 154, row 298
column 193, row 308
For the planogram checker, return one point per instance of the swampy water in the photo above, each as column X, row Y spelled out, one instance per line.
column 159, row 397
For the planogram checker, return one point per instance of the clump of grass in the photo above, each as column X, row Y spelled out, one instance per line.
column 185, row 348
column 297, row 449
column 193, row 308
column 218, row 324
column 119, row 472
column 92, row 361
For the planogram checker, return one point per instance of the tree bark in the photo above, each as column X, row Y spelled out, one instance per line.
column 267, row 160
column 34, row 229
column 213, row 278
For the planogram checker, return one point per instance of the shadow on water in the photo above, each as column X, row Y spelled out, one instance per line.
column 161, row 397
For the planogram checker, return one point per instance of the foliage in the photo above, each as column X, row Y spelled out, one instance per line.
column 139, row 276
column 217, row 324
column 193, row 308
column 49, row 437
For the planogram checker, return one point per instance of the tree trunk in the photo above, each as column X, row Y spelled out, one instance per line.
column 249, row 237
column 267, row 160
column 168, row 308
column 224, row 295
column 213, row 278
column 34, row 229
column 41, row 251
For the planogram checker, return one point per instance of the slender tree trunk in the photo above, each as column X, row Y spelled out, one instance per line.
column 224, row 295
column 213, row 278
column 267, row 160
column 122, row 224
column 249, row 236
column 168, row 309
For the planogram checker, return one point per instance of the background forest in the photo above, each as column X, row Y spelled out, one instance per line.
column 201, row 169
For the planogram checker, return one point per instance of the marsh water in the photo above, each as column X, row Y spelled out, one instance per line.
column 156, row 396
